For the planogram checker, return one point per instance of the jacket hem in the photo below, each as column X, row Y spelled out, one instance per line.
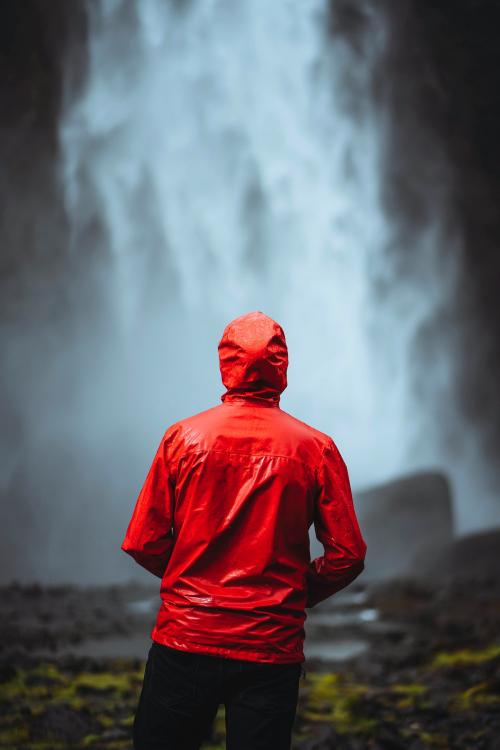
column 228, row 653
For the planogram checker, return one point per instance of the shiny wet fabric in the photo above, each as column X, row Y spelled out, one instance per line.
column 224, row 514
column 182, row 691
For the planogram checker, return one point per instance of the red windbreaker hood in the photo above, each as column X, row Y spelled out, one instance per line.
column 253, row 359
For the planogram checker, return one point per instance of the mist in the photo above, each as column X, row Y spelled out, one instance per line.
column 209, row 159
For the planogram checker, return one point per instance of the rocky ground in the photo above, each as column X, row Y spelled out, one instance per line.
column 398, row 664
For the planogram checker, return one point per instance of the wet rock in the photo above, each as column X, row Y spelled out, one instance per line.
column 431, row 669
column 473, row 558
column 114, row 734
column 388, row 738
column 404, row 521
column 62, row 723
column 326, row 737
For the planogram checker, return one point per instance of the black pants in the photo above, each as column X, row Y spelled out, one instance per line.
column 182, row 691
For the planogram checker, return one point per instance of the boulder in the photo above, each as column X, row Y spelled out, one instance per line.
column 472, row 557
column 404, row 522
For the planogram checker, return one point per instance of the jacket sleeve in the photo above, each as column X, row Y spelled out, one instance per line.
column 337, row 529
column 149, row 536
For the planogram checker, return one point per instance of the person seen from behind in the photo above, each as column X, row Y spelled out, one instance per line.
column 223, row 520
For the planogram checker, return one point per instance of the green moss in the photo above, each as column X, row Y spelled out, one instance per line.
column 433, row 739
column 487, row 699
column 410, row 688
column 68, row 695
column 430, row 739
column 49, row 671
column 303, row 736
column 118, row 745
column 22, row 687
column 14, row 688
column 410, row 694
column 102, row 681
column 107, row 721
column 473, row 697
column 107, row 696
column 479, row 733
column 90, row 739
column 110, row 687
column 218, row 729
column 334, row 700
column 9, row 718
column 465, row 656
column 32, row 685
column 10, row 736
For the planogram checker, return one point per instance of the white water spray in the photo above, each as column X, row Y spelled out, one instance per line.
column 231, row 155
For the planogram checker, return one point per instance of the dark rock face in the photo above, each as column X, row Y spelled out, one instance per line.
column 36, row 42
column 446, row 61
column 403, row 521
column 462, row 51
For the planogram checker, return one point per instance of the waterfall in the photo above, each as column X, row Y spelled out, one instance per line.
column 231, row 154
column 223, row 157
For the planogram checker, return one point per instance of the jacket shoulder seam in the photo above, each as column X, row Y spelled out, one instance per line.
column 254, row 455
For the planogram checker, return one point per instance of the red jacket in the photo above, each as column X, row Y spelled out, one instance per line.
column 224, row 513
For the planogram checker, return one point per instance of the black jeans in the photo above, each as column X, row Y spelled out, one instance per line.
column 182, row 691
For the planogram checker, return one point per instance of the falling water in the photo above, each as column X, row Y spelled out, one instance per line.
column 231, row 153
column 223, row 157
column 231, row 156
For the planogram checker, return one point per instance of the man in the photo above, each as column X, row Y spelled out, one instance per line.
column 223, row 520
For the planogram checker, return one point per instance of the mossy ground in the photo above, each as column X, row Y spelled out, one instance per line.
column 431, row 680
column 450, row 701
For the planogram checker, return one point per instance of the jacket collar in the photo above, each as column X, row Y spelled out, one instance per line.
column 252, row 399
